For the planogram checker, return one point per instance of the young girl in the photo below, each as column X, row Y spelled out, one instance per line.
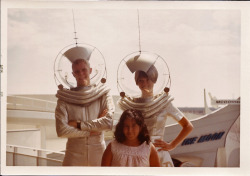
column 132, row 146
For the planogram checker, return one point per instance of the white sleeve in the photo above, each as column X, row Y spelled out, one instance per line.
column 62, row 127
column 174, row 112
column 103, row 123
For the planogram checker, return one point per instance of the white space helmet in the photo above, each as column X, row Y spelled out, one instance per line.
column 65, row 58
column 152, row 64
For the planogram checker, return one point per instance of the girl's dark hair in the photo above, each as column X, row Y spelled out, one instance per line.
column 139, row 119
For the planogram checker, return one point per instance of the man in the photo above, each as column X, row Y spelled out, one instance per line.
column 83, row 113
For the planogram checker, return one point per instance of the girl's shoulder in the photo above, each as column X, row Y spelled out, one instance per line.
column 114, row 142
column 115, row 145
column 151, row 145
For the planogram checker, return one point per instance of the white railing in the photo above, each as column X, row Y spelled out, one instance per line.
column 25, row 156
column 31, row 104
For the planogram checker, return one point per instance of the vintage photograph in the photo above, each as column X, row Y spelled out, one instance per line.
column 121, row 84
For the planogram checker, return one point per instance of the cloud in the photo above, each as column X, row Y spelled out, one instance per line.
column 198, row 45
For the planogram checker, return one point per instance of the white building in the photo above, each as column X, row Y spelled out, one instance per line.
column 32, row 138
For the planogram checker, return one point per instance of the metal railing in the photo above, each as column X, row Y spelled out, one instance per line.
column 31, row 104
column 25, row 156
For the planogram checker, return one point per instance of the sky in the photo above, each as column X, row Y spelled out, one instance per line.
column 202, row 47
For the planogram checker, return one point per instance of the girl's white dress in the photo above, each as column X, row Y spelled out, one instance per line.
column 125, row 156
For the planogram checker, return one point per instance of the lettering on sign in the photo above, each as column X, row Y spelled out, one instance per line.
column 203, row 138
column 228, row 101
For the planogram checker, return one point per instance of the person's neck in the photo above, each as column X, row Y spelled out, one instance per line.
column 147, row 95
column 83, row 85
column 133, row 143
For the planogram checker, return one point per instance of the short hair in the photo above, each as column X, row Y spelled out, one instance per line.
column 151, row 74
column 78, row 61
column 139, row 119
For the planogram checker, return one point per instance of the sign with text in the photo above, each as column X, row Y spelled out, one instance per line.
column 203, row 138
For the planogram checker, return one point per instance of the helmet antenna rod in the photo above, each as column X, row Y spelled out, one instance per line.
column 74, row 26
column 139, row 31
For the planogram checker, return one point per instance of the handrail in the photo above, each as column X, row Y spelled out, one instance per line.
column 35, row 149
column 27, row 103
column 19, row 96
column 38, row 154
column 50, row 159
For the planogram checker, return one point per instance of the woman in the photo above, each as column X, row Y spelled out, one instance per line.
column 155, row 107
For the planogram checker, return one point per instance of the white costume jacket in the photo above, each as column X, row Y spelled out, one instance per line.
column 155, row 111
column 84, row 105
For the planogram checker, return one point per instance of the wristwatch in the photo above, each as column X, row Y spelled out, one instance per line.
column 78, row 124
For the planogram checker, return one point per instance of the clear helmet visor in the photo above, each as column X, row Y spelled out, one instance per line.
column 152, row 64
column 63, row 64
